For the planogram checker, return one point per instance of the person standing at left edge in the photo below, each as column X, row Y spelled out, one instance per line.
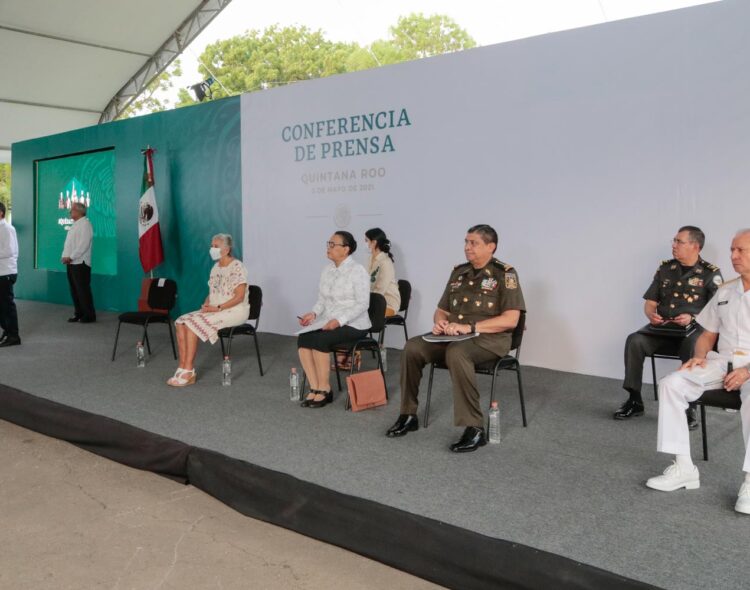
column 8, row 274
column 76, row 256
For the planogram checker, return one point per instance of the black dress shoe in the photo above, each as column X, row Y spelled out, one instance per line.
column 320, row 403
column 87, row 320
column 3, row 337
column 473, row 438
column 10, row 341
column 75, row 318
column 692, row 419
column 405, row 423
column 629, row 409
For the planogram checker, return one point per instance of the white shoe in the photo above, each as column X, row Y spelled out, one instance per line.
column 743, row 499
column 674, row 479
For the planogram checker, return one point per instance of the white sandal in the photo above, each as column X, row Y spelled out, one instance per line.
column 180, row 380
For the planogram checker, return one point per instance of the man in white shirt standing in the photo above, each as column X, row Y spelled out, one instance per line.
column 8, row 275
column 726, row 318
column 77, row 256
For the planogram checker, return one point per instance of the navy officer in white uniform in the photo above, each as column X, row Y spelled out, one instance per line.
column 726, row 318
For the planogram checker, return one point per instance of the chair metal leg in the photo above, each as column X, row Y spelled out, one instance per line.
column 380, row 366
column 223, row 350
column 426, row 418
column 336, row 364
column 257, row 352
column 520, row 395
column 406, row 334
column 653, row 377
column 117, row 336
column 171, row 338
column 145, row 337
column 703, row 432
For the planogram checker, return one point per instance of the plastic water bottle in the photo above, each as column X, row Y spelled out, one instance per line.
column 294, row 385
column 494, row 434
column 226, row 371
column 384, row 358
column 140, row 355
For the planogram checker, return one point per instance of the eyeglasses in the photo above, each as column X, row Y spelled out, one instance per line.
column 332, row 244
column 680, row 242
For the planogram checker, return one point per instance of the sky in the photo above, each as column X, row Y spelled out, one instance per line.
column 487, row 21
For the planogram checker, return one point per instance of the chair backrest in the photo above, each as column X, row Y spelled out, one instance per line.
column 517, row 337
column 404, row 289
column 376, row 312
column 255, row 298
column 162, row 295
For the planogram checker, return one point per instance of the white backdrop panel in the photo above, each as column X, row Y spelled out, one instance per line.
column 585, row 149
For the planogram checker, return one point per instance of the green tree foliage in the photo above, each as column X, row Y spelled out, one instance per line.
column 417, row 36
column 281, row 55
column 5, row 184
column 259, row 60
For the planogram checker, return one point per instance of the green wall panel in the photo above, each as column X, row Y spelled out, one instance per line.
column 198, row 190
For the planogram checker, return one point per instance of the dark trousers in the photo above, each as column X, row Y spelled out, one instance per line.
column 79, row 279
column 638, row 346
column 8, row 314
column 460, row 358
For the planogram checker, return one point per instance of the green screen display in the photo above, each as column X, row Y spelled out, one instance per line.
column 87, row 178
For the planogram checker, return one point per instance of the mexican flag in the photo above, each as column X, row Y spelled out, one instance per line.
column 149, row 234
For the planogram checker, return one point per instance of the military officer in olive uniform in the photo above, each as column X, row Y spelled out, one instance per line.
column 482, row 296
column 681, row 288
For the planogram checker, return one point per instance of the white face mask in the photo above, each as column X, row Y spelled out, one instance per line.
column 214, row 253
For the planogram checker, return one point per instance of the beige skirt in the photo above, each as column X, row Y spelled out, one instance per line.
column 206, row 325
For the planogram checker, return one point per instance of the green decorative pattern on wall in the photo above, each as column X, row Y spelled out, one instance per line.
column 198, row 192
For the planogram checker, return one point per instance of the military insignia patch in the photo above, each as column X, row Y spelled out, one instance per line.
column 489, row 284
column 695, row 282
column 716, row 280
column 511, row 282
column 698, row 270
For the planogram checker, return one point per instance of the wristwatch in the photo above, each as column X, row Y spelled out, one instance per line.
column 473, row 327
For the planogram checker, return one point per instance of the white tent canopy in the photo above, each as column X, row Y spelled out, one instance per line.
column 80, row 62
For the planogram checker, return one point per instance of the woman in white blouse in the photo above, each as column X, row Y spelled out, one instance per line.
column 340, row 315
column 225, row 306
column 382, row 273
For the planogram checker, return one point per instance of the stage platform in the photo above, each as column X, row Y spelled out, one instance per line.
column 571, row 484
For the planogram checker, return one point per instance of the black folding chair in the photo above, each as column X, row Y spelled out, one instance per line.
column 162, row 295
column 255, row 297
column 509, row 362
column 715, row 398
column 404, row 289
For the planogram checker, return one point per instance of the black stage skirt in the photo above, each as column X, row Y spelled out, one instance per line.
column 324, row 341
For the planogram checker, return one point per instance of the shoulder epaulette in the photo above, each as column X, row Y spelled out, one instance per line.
column 711, row 267
column 462, row 264
column 503, row 265
column 670, row 261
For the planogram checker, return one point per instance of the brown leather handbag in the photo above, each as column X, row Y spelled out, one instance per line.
column 366, row 390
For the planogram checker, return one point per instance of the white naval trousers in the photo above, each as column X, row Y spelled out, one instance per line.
column 675, row 393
